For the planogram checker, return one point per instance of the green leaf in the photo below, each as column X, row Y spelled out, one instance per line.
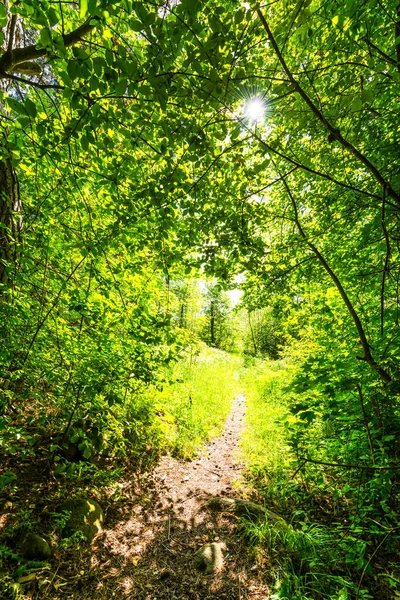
column 73, row 69
column 17, row 106
column 367, row 96
column 30, row 108
column 121, row 86
column 109, row 57
column 53, row 16
column 23, row 121
column 60, row 468
column 83, row 8
column 356, row 104
column 45, row 38
column 87, row 453
column 3, row 15
column 239, row 16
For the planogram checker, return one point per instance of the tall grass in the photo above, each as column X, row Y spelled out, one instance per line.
column 194, row 406
column 266, row 453
column 305, row 561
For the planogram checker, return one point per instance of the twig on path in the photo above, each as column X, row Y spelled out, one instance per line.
column 173, row 552
column 343, row 466
column 192, row 496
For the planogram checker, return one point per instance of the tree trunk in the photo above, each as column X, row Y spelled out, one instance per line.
column 10, row 217
column 212, row 323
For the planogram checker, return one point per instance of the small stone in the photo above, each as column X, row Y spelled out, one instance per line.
column 210, row 558
column 166, row 574
column 34, row 547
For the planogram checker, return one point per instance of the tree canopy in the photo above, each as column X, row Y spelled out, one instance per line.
column 147, row 143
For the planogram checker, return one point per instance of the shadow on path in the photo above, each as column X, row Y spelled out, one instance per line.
column 153, row 531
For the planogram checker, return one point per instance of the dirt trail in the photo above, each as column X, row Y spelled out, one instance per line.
column 211, row 474
column 149, row 554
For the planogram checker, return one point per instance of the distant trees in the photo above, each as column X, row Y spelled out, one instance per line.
column 218, row 328
column 262, row 334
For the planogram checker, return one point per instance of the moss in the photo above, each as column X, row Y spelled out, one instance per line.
column 83, row 515
column 34, row 547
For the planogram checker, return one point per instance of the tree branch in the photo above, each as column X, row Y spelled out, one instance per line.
column 342, row 466
column 40, row 86
column 387, row 259
column 366, row 424
column 12, row 58
column 332, row 130
column 396, row 37
column 312, row 171
column 11, row 33
column 380, row 52
column 354, row 315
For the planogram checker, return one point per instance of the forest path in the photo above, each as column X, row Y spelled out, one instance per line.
column 149, row 555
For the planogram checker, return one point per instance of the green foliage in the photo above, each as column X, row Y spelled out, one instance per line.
column 127, row 163
column 357, row 507
column 194, row 408
column 305, row 562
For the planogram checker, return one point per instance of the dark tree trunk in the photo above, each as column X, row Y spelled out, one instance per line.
column 10, row 218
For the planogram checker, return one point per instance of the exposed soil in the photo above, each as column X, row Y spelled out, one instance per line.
column 152, row 530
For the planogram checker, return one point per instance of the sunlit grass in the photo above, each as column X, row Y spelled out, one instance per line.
column 264, row 439
column 194, row 408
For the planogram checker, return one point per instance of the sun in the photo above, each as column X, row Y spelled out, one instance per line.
column 254, row 110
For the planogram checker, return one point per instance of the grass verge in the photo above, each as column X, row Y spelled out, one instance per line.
column 194, row 406
column 306, row 561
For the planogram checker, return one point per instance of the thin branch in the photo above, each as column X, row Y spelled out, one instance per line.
column 12, row 31
column 365, row 419
column 40, row 86
column 380, row 52
column 397, row 37
column 303, row 462
column 372, row 556
column 367, row 357
column 315, row 110
column 343, row 466
column 387, row 259
column 311, row 170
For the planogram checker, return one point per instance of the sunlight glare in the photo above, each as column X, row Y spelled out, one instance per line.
column 254, row 110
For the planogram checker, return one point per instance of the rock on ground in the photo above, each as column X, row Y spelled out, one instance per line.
column 34, row 547
column 210, row 558
column 82, row 515
column 244, row 508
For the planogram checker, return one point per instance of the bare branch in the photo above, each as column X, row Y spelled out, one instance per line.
column 11, row 33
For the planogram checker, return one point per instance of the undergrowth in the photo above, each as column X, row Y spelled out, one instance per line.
column 342, row 536
column 194, row 407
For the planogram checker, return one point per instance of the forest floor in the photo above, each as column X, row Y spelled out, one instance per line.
column 153, row 527
column 150, row 554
